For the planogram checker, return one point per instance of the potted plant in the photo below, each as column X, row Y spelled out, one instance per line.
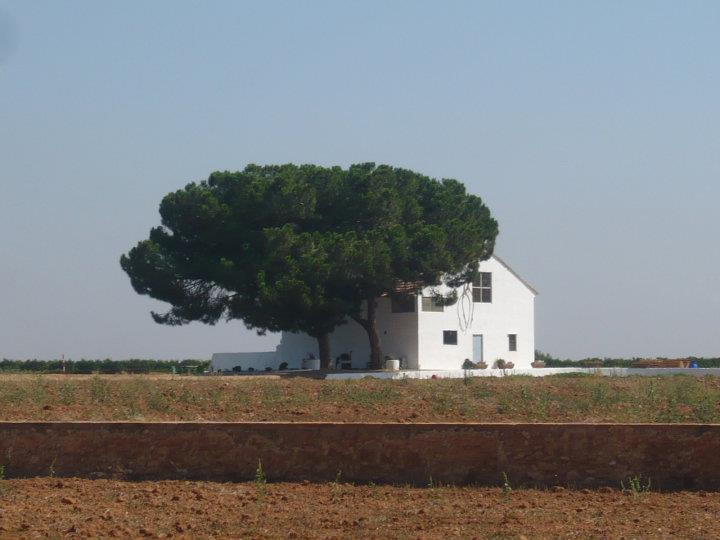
column 538, row 364
column 469, row 364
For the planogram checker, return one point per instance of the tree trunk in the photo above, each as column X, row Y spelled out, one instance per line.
column 369, row 324
column 371, row 329
column 324, row 349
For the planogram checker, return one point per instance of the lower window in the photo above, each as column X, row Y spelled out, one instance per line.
column 512, row 342
column 449, row 337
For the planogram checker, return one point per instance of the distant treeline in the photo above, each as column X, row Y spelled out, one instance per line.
column 613, row 362
column 134, row 365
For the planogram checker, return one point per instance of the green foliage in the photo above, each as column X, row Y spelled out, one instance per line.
column 301, row 248
column 260, row 480
column 636, row 486
column 706, row 362
column 506, row 487
column 550, row 361
column 106, row 366
column 336, row 486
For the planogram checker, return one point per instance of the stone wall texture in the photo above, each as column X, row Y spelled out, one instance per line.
column 575, row 455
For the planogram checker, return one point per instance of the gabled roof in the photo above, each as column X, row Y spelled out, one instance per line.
column 411, row 287
column 514, row 273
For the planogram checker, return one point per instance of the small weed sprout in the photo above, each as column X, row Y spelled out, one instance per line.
column 336, row 486
column 506, row 487
column 51, row 470
column 2, row 479
column 636, row 486
column 260, row 480
column 67, row 393
column 431, row 487
column 99, row 389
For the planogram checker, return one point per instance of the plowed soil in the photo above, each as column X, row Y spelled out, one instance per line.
column 52, row 507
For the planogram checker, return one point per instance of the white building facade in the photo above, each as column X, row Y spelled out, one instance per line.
column 491, row 320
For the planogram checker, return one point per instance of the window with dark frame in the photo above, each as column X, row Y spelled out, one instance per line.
column 483, row 292
column 449, row 337
column 430, row 303
column 402, row 304
column 512, row 342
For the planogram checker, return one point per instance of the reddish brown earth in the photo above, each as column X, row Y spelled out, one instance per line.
column 51, row 507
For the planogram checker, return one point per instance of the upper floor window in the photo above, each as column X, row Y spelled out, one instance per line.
column 402, row 304
column 512, row 342
column 430, row 303
column 483, row 292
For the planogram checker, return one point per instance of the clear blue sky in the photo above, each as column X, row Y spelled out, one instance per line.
column 591, row 129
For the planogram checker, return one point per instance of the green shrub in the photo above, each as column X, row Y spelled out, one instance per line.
column 107, row 366
column 612, row 362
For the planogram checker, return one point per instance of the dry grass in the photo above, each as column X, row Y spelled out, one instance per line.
column 510, row 399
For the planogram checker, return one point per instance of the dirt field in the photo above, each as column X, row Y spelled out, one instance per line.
column 510, row 399
column 49, row 507
column 53, row 507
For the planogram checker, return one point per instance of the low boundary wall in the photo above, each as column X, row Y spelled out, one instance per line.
column 575, row 455
column 529, row 372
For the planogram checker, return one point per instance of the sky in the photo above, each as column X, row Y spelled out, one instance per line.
column 591, row 130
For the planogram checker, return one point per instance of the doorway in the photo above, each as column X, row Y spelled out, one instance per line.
column 477, row 348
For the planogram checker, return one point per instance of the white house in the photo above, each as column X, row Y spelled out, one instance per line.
column 493, row 319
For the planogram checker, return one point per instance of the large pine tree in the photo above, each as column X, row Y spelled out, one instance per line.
column 304, row 248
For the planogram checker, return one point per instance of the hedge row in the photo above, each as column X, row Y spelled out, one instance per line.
column 613, row 362
column 134, row 365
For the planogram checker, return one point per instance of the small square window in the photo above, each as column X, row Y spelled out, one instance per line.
column 512, row 342
column 430, row 303
column 449, row 337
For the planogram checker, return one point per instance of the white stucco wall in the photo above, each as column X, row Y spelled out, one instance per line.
column 397, row 332
column 510, row 312
column 418, row 336
column 256, row 360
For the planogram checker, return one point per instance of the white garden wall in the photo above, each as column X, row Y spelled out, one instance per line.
column 256, row 360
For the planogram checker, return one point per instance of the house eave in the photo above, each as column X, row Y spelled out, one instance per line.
column 514, row 273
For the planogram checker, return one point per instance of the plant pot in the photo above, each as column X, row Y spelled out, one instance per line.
column 392, row 364
column 538, row 364
column 311, row 363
